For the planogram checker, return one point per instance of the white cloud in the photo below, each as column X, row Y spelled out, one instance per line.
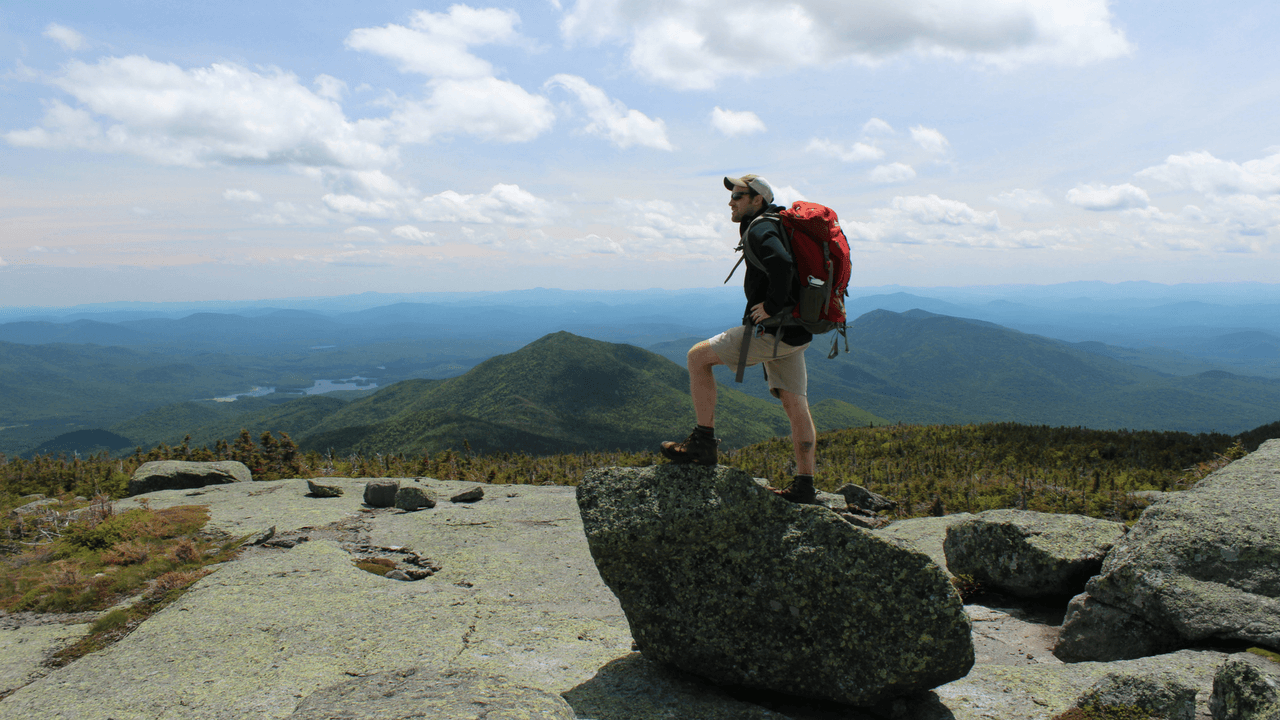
column 487, row 107
column 1020, row 199
column 241, row 195
column 503, row 204
column 876, row 126
column 734, row 123
column 330, row 87
column 611, row 119
column 286, row 213
column 929, row 139
column 892, row 173
column 786, row 195
column 66, row 37
column 413, row 234
column 360, row 230
column 223, row 113
column 932, row 209
column 858, row 152
column 1113, row 197
column 436, row 44
column 1204, row 173
column 688, row 44
column 678, row 229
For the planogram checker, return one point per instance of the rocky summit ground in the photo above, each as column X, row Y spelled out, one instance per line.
column 516, row 597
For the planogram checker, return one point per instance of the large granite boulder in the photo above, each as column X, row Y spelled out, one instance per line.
column 1030, row 554
column 1243, row 692
column 1095, row 631
column 720, row 577
column 184, row 475
column 381, row 493
column 1164, row 695
column 1202, row 565
column 924, row 534
column 414, row 497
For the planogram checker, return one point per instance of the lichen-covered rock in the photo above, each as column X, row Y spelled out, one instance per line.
column 380, row 493
column 1030, row 554
column 924, row 534
column 1093, row 630
column 1243, row 692
column 323, row 491
column 475, row 494
column 1205, row 563
column 722, row 578
column 184, row 475
column 861, row 497
column 1163, row 695
column 414, row 497
column 423, row 693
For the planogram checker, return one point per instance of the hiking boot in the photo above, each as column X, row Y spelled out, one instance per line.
column 699, row 449
column 800, row 491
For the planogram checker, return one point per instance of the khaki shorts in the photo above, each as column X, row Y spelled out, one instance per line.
column 786, row 371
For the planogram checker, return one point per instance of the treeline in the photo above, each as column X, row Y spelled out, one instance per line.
column 929, row 469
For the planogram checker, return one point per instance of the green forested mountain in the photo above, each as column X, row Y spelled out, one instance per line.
column 569, row 392
column 208, row 422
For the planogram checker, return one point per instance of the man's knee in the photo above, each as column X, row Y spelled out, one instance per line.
column 701, row 355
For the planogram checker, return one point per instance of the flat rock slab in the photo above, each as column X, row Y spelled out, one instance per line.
column 415, row 693
column 517, row 595
column 722, row 578
column 24, row 649
column 1030, row 554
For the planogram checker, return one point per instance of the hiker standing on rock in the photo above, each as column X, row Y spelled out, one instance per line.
column 768, row 287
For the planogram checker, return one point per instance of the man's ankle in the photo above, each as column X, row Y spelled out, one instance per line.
column 708, row 430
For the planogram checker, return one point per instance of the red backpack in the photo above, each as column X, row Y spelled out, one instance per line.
column 820, row 278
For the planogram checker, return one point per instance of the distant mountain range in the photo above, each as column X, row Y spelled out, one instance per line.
column 567, row 392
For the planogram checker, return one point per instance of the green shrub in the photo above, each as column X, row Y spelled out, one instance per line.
column 117, row 618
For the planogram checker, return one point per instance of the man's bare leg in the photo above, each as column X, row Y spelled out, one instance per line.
column 804, row 436
column 702, row 382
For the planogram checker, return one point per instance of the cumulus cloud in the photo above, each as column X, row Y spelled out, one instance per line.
column 223, row 113
column 361, row 230
column 932, row 209
column 892, row 173
column 678, row 229
column 241, row 195
column 611, row 119
column 735, row 123
column 929, row 139
column 687, row 44
column 1104, row 197
column 464, row 95
column 858, row 152
column 328, row 86
column 503, row 204
column 437, row 44
column 1020, row 199
column 876, row 126
column 413, row 234
column 487, row 107
column 933, row 220
column 66, row 37
column 1206, row 174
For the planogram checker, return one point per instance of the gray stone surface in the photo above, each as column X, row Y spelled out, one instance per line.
column 381, row 493
column 1030, row 554
column 1163, row 694
column 924, row 534
column 184, row 475
column 1242, row 691
column 724, row 579
column 414, row 497
column 320, row 490
column 859, row 496
column 424, row 693
column 475, row 494
column 1205, row 563
column 35, row 505
column 1093, row 630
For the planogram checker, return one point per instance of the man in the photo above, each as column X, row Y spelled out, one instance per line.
column 768, row 290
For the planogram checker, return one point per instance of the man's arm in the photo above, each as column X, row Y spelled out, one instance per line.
column 770, row 249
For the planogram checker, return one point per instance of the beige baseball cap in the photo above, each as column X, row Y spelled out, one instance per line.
column 755, row 182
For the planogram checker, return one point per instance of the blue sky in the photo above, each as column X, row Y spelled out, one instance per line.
column 243, row 150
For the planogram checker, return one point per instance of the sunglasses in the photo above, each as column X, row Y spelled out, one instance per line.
column 738, row 195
